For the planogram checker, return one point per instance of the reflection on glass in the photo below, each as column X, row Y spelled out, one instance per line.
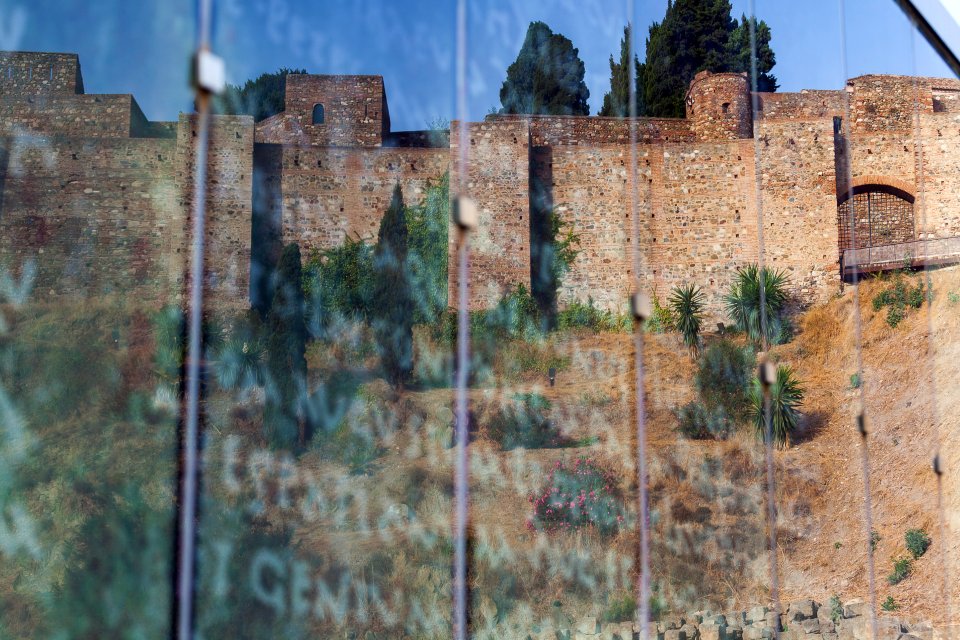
column 692, row 457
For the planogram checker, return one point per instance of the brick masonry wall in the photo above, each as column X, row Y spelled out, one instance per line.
column 94, row 116
column 701, row 218
column 937, row 209
column 805, row 104
column 97, row 217
column 696, row 207
column 595, row 130
column 229, row 203
column 497, row 179
column 883, row 157
column 799, row 203
column 30, row 73
column 591, row 192
column 331, row 194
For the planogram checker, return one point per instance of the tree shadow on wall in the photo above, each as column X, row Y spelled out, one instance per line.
column 543, row 277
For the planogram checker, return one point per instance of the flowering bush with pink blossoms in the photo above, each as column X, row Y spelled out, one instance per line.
column 579, row 494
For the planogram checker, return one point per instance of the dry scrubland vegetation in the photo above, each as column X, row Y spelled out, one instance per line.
column 709, row 544
column 370, row 497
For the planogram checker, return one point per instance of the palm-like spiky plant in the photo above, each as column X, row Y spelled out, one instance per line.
column 687, row 303
column 786, row 396
column 761, row 322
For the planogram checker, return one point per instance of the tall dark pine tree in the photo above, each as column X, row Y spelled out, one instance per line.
column 698, row 35
column 392, row 308
column 284, row 422
column 692, row 37
column 547, row 76
column 616, row 102
column 738, row 52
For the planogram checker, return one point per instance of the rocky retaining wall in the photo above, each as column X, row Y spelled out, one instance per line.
column 802, row 620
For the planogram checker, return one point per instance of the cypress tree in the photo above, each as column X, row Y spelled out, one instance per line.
column 392, row 308
column 698, row 35
column 286, row 355
column 547, row 76
column 738, row 51
column 616, row 102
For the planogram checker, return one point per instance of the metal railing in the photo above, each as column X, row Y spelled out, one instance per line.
column 916, row 253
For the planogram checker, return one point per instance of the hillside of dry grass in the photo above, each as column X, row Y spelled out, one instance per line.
column 383, row 518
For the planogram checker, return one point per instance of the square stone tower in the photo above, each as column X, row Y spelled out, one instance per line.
column 339, row 111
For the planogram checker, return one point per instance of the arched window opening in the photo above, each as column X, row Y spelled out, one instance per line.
column 318, row 115
column 726, row 107
column 875, row 215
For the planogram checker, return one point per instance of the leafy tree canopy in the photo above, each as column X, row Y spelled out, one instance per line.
column 260, row 98
column 547, row 76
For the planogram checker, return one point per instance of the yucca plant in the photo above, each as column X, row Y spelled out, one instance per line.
column 687, row 302
column 786, row 396
column 744, row 305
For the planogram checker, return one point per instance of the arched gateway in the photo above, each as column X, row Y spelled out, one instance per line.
column 875, row 215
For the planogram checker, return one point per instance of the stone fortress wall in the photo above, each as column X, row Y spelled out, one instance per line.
column 99, row 198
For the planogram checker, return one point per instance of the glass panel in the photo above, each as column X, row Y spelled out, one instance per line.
column 883, row 139
column 91, row 278
column 513, row 323
column 553, row 518
column 326, row 505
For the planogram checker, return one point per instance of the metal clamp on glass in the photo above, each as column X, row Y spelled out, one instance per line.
column 208, row 72
column 640, row 307
column 767, row 373
column 465, row 214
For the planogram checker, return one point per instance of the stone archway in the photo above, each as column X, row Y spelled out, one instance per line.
column 874, row 214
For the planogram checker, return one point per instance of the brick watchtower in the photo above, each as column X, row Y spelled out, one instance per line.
column 718, row 106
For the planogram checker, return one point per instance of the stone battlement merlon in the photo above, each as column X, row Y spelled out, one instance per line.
column 31, row 73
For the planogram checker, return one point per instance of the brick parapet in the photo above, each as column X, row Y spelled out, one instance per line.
column 88, row 116
column 804, row 105
column 35, row 73
column 596, row 130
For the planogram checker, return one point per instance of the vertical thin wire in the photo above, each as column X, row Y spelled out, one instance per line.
column 931, row 348
column 767, row 409
column 643, row 586
column 188, row 490
column 858, row 337
column 461, row 488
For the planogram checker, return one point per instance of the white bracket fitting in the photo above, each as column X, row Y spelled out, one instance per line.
column 208, row 72
column 465, row 214
column 640, row 306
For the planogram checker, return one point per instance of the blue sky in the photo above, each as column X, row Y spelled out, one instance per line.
column 143, row 47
